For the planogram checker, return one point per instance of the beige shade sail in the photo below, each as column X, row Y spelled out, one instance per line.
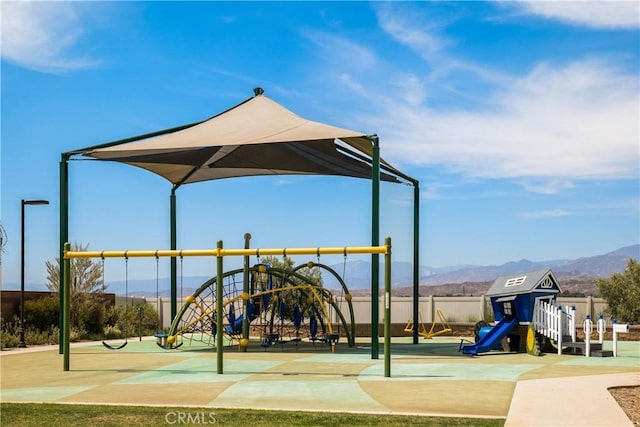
column 256, row 137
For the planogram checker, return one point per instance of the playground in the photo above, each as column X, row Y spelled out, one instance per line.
column 432, row 379
column 287, row 355
column 265, row 337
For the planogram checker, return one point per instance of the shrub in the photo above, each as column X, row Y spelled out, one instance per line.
column 9, row 334
column 111, row 332
column 125, row 318
column 33, row 336
column 91, row 316
column 8, row 340
column 42, row 314
column 472, row 318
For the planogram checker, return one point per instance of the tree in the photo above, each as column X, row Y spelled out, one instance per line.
column 287, row 263
column 86, row 281
column 295, row 297
column 622, row 292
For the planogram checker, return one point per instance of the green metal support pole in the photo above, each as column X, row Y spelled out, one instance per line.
column 64, row 237
column 387, row 308
column 219, row 307
column 416, row 259
column 375, row 241
column 245, row 291
column 174, row 246
column 66, row 312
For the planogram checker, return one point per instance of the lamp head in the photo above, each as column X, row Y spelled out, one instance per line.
column 35, row 202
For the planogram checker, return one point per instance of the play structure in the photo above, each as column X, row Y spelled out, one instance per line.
column 514, row 300
column 279, row 306
column 528, row 319
column 438, row 327
column 213, row 313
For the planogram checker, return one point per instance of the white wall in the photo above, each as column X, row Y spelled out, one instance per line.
column 454, row 309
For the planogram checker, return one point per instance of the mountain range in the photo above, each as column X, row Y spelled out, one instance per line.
column 357, row 274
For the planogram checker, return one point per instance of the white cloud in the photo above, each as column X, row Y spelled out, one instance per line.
column 341, row 50
column 548, row 186
column 411, row 29
column 557, row 122
column 594, row 14
column 553, row 213
column 554, row 124
column 576, row 121
column 42, row 35
column 423, row 34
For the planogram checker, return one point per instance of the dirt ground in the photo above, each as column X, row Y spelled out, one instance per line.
column 629, row 400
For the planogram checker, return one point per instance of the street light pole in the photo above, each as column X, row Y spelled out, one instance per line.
column 21, row 343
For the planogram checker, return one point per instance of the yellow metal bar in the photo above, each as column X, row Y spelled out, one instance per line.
column 141, row 254
column 227, row 252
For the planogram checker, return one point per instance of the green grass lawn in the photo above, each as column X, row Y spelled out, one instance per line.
column 45, row 414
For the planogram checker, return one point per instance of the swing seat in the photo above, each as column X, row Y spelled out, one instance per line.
column 333, row 338
column 161, row 339
column 269, row 339
column 273, row 338
column 121, row 346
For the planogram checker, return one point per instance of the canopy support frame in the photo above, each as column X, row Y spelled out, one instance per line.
column 376, row 167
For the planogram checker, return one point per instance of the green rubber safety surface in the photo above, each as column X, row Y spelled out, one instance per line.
column 430, row 378
column 450, row 372
column 41, row 394
column 307, row 395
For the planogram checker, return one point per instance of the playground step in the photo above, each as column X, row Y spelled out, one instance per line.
column 596, row 349
column 602, row 353
column 582, row 345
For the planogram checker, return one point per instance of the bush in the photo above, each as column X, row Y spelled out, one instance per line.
column 125, row 318
column 91, row 316
column 472, row 319
column 111, row 332
column 32, row 336
column 9, row 333
column 42, row 314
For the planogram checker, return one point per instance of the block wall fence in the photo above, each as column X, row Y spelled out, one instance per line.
column 456, row 309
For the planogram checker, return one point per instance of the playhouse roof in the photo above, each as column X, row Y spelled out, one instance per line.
column 256, row 137
column 524, row 283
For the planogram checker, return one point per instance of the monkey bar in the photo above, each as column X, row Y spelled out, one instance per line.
column 219, row 252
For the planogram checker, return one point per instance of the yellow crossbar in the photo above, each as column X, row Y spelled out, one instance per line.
column 227, row 252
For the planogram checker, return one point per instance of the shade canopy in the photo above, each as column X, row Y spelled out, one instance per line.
column 256, row 137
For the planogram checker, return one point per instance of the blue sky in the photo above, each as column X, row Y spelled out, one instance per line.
column 520, row 119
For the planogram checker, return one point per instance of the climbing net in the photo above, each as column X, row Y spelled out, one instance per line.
column 276, row 306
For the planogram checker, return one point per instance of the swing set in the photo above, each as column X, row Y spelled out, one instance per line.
column 214, row 316
column 126, row 302
column 122, row 345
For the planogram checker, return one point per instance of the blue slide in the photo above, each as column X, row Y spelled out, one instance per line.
column 493, row 337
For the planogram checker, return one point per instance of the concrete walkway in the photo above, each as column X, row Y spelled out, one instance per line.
column 573, row 401
column 430, row 379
